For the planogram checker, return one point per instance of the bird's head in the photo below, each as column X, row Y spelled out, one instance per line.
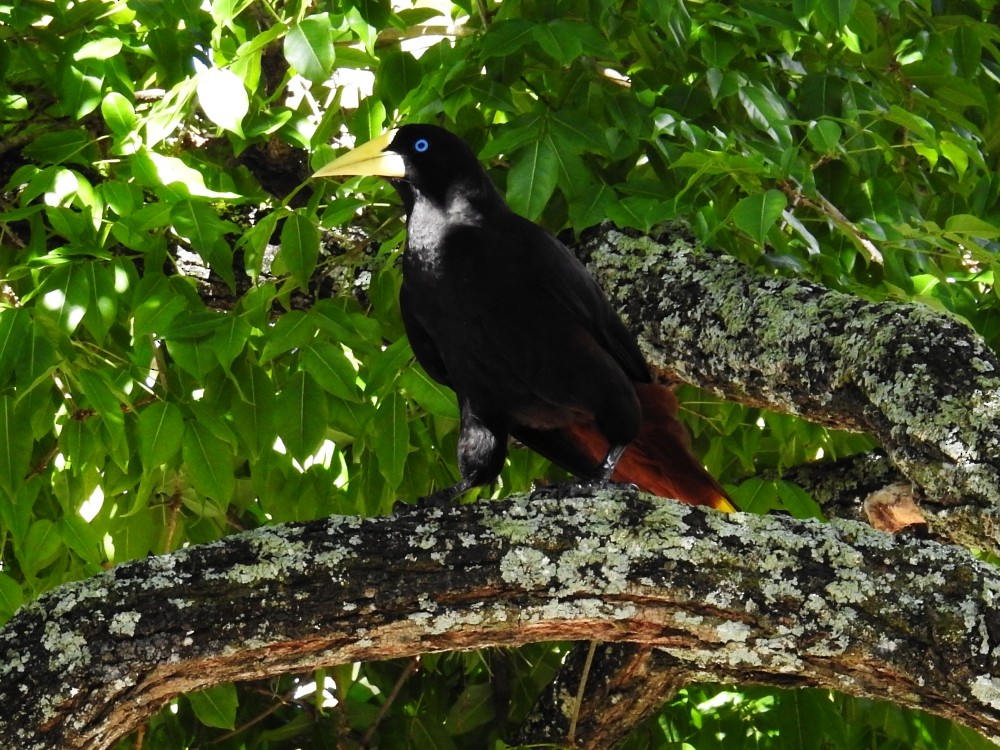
column 420, row 160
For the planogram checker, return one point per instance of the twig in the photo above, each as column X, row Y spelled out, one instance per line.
column 390, row 699
column 578, row 701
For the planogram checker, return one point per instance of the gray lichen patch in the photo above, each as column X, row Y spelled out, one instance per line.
column 527, row 568
column 68, row 648
column 919, row 380
column 123, row 623
column 280, row 554
column 986, row 689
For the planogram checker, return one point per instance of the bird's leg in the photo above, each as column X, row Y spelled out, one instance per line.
column 482, row 448
column 611, row 460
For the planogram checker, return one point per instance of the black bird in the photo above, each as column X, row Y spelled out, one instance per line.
column 501, row 312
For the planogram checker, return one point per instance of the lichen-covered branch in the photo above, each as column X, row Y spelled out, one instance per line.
column 724, row 597
column 922, row 382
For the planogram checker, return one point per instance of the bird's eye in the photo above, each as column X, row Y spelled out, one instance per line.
column 421, row 145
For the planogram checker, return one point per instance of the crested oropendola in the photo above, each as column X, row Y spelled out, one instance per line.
column 500, row 311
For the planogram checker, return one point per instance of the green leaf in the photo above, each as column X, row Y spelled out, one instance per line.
column 369, row 119
column 825, row 135
column 391, row 438
column 968, row 51
column 156, row 312
column 105, row 288
column 81, row 93
column 838, row 12
column 11, row 596
column 914, row 122
column 302, row 415
column 767, row 111
column 216, row 706
column 119, row 114
column 504, row 38
column 798, row 502
column 329, row 365
column 224, row 98
column 972, row 226
column 154, row 170
column 230, row 340
column 205, row 232
column 15, row 450
column 533, row 178
column 67, row 295
column 473, row 708
column 295, row 329
column 14, row 332
column 556, row 39
column 209, row 462
column 253, row 408
column 758, row 213
column 578, row 132
column 300, row 247
column 41, row 545
column 196, row 357
column 133, row 535
column 399, row 73
column 309, row 47
column 62, row 147
column 437, row 399
column 38, row 359
column 80, row 537
column 103, row 48
column 161, row 430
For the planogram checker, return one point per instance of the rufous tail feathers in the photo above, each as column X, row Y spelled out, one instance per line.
column 659, row 459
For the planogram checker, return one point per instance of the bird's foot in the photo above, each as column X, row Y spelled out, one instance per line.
column 580, row 488
column 443, row 498
column 440, row 500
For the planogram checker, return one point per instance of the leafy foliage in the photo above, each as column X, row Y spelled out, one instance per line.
column 181, row 356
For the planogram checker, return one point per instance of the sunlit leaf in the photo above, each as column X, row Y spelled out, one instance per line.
column 224, row 98
column 309, row 47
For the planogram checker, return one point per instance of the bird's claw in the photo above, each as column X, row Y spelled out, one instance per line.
column 580, row 488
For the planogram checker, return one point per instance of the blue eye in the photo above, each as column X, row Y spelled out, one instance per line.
column 421, row 145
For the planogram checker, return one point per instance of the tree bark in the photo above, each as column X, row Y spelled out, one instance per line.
column 922, row 382
column 721, row 597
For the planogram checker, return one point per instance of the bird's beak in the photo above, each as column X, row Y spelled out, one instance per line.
column 367, row 159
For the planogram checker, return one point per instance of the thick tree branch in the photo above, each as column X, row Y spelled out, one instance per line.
column 923, row 383
column 740, row 597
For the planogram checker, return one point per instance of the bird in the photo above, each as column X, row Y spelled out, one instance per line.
column 500, row 311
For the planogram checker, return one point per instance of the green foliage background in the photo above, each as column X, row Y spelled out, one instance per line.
column 853, row 142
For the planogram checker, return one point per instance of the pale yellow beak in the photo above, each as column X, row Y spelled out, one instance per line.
column 367, row 159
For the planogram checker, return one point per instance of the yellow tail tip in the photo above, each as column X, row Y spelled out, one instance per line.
column 722, row 504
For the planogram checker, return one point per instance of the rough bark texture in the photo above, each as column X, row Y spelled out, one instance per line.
column 743, row 598
column 626, row 684
column 926, row 385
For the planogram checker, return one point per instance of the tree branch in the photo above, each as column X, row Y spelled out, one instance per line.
column 722, row 597
column 926, row 385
